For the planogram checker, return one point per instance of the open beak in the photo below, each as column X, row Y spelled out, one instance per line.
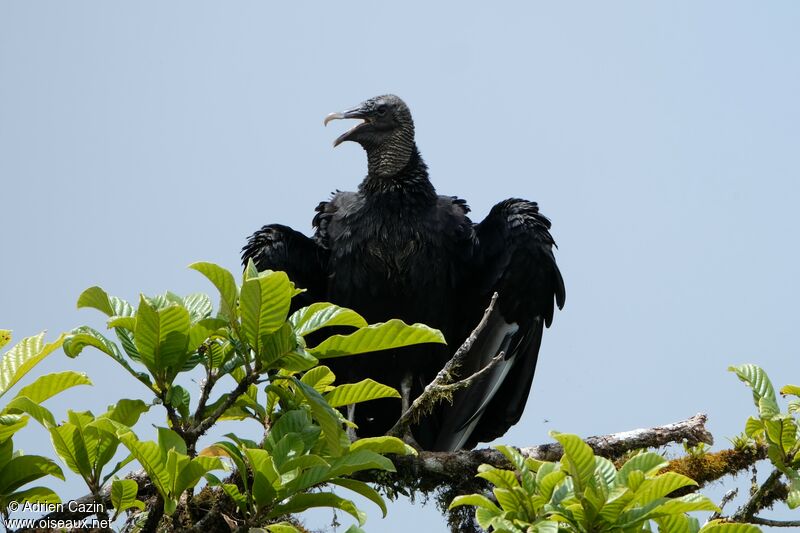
column 356, row 112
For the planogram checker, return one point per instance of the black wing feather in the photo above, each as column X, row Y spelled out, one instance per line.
column 279, row 247
column 513, row 257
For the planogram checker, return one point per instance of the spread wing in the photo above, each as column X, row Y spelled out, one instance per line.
column 513, row 257
column 278, row 247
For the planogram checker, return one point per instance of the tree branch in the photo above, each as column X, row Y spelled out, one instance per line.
column 773, row 523
column 430, row 470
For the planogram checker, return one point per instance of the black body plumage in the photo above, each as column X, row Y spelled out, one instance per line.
column 396, row 249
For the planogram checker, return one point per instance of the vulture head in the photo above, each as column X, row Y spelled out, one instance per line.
column 386, row 133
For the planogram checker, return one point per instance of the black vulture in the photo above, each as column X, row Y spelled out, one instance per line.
column 397, row 249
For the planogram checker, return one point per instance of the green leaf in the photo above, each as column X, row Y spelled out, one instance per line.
column 289, row 447
column 170, row 440
column 320, row 378
column 296, row 361
column 322, row 314
column 10, row 424
column 231, row 451
column 23, row 404
column 549, row 482
column 788, row 437
column 756, row 379
column 392, row 334
column 225, row 283
column 383, row 445
column 264, row 304
column 276, row 345
column 301, row 502
column 49, row 385
column 327, row 417
column 787, row 390
column 660, row 486
column 578, row 458
column 504, row 479
column 648, row 463
column 218, row 352
column 6, row 452
column 753, row 427
column 618, row 498
column 475, row 500
column 605, row 470
column 362, row 391
column 305, row 462
column 674, row 524
column 489, row 519
column 250, row 270
column 126, row 412
column 71, row 448
column 282, row 527
column 264, row 476
column 364, row 490
column 23, row 469
column 162, row 338
column 768, row 408
column 794, row 406
column 234, row 494
column 684, row 504
column 513, row 456
column 198, row 305
column 84, row 336
column 508, row 500
column 635, row 479
column 105, row 446
column 95, row 297
column 122, row 322
column 289, row 422
column 152, row 459
column 179, row 398
column 793, row 499
column 20, row 359
column 356, row 461
column 34, row 495
column 192, row 471
column 123, row 495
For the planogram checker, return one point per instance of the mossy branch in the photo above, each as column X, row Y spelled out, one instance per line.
column 429, row 471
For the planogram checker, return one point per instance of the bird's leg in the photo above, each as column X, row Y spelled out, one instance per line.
column 405, row 392
column 405, row 399
column 351, row 417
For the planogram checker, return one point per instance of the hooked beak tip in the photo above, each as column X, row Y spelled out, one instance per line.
column 332, row 116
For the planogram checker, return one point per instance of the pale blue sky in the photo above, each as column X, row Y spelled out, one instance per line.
column 660, row 137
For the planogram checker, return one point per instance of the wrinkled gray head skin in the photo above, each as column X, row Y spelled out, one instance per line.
column 387, row 133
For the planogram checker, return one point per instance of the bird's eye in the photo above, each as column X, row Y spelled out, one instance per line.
column 381, row 110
